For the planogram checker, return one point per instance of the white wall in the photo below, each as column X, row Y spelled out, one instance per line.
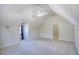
column 65, row 11
column 9, row 36
column 66, row 30
column 33, row 32
column 77, row 36
column 26, row 31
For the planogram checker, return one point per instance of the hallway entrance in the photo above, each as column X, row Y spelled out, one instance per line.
column 24, row 30
column 55, row 31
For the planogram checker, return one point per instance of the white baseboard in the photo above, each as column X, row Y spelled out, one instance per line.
column 53, row 39
column 66, row 40
column 10, row 44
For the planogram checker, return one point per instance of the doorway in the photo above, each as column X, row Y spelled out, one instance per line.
column 55, row 32
column 22, row 32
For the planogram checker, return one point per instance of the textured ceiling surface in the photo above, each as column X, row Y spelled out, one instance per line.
column 67, row 11
column 15, row 14
column 72, row 9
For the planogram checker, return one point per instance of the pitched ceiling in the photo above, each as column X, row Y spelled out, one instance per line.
column 69, row 11
column 16, row 7
column 15, row 14
column 72, row 9
column 11, row 14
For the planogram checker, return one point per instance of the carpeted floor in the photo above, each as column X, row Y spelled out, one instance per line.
column 43, row 47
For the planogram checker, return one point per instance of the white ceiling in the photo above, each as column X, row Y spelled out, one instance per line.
column 69, row 11
column 15, row 14
column 72, row 9
column 16, row 7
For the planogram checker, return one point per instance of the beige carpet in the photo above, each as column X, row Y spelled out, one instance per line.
column 43, row 47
